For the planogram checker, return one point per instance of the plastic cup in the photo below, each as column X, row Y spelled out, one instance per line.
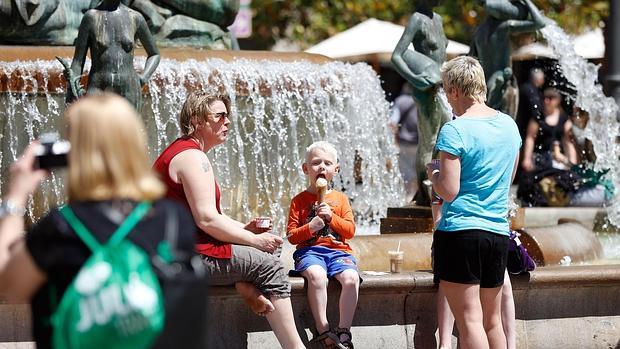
column 263, row 222
column 396, row 261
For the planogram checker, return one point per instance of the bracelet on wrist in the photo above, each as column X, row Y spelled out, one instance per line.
column 10, row 208
column 435, row 171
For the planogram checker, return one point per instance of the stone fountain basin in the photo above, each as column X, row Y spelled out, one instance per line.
column 556, row 307
column 546, row 245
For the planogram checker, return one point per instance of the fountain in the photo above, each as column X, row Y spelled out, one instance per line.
column 281, row 103
column 278, row 109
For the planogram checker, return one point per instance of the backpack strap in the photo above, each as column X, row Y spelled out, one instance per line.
column 83, row 233
column 79, row 228
column 130, row 222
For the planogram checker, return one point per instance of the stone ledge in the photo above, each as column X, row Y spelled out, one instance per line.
column 398, row 311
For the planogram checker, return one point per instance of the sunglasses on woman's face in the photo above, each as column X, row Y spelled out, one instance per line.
column 219, row 116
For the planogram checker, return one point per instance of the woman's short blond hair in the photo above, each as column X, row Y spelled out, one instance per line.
column 466, row 75
column 198, row 105
column 108, row 157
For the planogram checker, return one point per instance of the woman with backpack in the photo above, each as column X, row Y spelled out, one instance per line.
column 88, row 267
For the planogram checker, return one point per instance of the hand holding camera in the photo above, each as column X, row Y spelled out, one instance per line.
column 24, row 177
column 51, row 152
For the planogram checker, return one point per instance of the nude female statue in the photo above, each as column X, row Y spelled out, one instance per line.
column 421, row 68
column 109, row 31
column 491, row 44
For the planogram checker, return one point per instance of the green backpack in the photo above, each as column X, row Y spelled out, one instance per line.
column 115, row 300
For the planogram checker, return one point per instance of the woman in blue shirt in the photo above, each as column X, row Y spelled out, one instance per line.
column 478, row 152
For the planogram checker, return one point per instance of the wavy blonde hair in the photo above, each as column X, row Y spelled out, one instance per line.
column 108, row 158
column 466, row 75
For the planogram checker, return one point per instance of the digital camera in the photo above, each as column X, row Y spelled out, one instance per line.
column 52, row 151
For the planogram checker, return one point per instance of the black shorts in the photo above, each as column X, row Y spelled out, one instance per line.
column 470, row 257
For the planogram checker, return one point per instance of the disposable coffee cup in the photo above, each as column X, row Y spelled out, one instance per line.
column 263, row 222
column 396, row 261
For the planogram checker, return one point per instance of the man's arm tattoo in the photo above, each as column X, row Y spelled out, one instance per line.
column 206, row 167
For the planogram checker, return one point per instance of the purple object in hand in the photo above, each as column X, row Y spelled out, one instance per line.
column 519, row 261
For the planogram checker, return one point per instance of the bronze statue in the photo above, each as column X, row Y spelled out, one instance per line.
column 202, row 23
column 190, row 22
column 491, row 45
column 42, row 22
column 109, row 31
column 421, row 68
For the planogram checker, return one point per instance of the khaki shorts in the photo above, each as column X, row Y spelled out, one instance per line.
column 249, row 264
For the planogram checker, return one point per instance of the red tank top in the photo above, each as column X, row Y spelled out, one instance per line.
column 205, row 243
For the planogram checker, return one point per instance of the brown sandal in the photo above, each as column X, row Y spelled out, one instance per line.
column 323, row 337
column 347, row 332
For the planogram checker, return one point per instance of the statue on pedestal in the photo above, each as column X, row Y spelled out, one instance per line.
column 421, row 68
column 109, row 31
column 492, row 46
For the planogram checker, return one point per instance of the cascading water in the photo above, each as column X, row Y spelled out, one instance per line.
column 603, row 127
column 278, row 109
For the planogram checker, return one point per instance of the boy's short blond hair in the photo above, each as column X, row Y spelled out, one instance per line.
column 466, row 75
column 324, row 146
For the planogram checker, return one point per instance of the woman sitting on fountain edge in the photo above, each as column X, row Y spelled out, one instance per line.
column 232, row 252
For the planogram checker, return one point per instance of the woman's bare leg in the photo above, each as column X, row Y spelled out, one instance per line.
column 282, row 323
column 445, row 320
column 491, row 300
column 508, row 313
column 465, row 303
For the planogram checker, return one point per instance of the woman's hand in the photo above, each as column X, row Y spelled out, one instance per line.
column 24, row 178
column 254, row 228
column 527, row 164
column 267, row 242
column 431, row 167
column 325, row 212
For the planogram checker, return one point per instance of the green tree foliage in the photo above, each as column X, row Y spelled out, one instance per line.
column 307, row 22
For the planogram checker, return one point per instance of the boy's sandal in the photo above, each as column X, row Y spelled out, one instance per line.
column 340, row 331
column 323, row 337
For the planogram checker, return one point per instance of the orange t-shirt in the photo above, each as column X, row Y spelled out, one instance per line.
column 334, row 235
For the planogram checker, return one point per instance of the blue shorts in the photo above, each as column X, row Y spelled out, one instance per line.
column 333, row 261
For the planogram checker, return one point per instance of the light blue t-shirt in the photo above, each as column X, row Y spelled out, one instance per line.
column 487, row 148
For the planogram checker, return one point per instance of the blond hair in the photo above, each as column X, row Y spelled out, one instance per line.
column 108, row 158
column 324, row 146
column 466, row 75
column 198, row 104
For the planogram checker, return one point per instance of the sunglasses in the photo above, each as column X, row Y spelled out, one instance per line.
column 219, row 116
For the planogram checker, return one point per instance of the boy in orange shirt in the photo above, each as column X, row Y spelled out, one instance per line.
column 320, row 230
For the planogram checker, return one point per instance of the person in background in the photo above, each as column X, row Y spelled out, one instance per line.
column 321, row 230
column 548, row 141
column 478, row 156
column 233, row 253
column 108, row 172
column 530, row 100
column 404, row 123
